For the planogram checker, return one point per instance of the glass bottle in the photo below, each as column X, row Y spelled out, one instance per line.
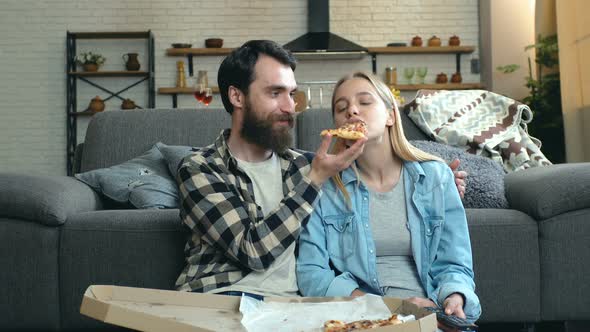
column 391, row 76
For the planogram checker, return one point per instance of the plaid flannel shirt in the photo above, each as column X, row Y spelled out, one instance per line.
column 230, row 236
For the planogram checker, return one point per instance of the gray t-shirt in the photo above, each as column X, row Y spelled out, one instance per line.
column 279, row 279
column 396, row 269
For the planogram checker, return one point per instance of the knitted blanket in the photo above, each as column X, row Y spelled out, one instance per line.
column 480, row 122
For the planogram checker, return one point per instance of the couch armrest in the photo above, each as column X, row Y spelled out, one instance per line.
column 47, row 200
column 544, row 192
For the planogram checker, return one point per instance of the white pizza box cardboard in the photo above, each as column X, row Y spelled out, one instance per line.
column 163, row 310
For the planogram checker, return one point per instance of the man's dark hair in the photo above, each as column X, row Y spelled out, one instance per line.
column 237, row 69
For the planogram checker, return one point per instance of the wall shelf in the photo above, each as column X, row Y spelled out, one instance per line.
column 422, row 50
column 171, row 91
column 99, row 73
column 198, row 51
column 174, row 92
column 111, row 35
column 457, row 50
column 372, row 51
column 445, row 86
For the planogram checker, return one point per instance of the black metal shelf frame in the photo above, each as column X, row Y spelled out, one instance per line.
column 72, row 78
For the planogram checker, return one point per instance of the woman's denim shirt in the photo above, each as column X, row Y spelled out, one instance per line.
column 337, row 251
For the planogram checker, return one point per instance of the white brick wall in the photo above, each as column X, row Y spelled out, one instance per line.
column 32, row 53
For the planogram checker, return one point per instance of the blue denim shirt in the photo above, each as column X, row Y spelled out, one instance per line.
column 337, row 251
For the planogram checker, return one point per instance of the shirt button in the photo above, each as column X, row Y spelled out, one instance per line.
column 371, row 251
column 367, row 225
column 365, row 198
column 375, row 280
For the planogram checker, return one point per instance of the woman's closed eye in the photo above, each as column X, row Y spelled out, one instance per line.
column 341, row 107
column 366, row 101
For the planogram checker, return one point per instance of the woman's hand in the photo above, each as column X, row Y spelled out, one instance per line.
column 422, row 302
column 453, row 305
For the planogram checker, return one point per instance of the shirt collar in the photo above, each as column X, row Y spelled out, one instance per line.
column 413, row 168
column 225, row 153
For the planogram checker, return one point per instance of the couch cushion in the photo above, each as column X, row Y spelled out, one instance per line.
column 45, row 199
column 485, row 182
column 29, row 297
column 137, row 248
column 506, row 264
column 544, row 192
column 564, row 242
column 114, row 137
column 173, row 154
column 144, row 181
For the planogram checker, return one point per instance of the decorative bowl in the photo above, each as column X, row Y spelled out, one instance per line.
column 213, row 43
column 182, row 45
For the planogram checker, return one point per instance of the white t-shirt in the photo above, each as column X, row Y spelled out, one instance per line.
column 279, row 279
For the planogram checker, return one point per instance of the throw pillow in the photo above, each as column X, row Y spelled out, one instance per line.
column 145, row 182
column 485, row 182
column 173, row 154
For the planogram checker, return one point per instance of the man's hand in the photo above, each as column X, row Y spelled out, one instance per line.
column 460, row 177
column 326, row 165
column 357, row 292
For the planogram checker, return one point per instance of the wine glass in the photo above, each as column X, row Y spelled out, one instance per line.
column 207, row 97
column 421, row 73
column 408, row 74
column 199, row 90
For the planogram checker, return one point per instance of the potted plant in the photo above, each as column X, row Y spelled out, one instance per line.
column 545, row 97
column 90, row 61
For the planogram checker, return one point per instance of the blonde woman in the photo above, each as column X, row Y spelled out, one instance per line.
column 391, row 224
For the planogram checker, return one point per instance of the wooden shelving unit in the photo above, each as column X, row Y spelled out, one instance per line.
column 73, row 76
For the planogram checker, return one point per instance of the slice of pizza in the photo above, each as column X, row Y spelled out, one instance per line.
column 353, row 130
column 334, row 326
column 340, row 326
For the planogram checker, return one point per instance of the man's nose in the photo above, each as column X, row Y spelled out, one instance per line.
column 288, row 104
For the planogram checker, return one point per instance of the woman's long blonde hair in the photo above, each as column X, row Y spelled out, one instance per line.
column 399, row 143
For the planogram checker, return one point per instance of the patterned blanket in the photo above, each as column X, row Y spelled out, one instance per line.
column 480, row 122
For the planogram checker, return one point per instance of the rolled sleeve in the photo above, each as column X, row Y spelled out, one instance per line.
column 342, row 285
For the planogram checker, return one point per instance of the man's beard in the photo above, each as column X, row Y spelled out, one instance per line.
column 260, row 131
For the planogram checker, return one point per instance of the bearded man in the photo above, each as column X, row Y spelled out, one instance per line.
column 247, row 196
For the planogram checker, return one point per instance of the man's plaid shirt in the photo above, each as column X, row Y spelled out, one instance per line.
column 230, row 236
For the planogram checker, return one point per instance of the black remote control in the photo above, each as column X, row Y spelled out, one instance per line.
column 452, row 321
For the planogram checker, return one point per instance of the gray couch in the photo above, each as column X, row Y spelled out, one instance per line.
column 57, row 236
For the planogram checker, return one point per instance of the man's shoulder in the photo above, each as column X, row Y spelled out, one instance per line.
column 201, row 155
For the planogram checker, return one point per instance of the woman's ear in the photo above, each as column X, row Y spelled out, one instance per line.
column 236, row 97
column 390, row 118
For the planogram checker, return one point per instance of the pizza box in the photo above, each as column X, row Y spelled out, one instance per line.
column 163, row 310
